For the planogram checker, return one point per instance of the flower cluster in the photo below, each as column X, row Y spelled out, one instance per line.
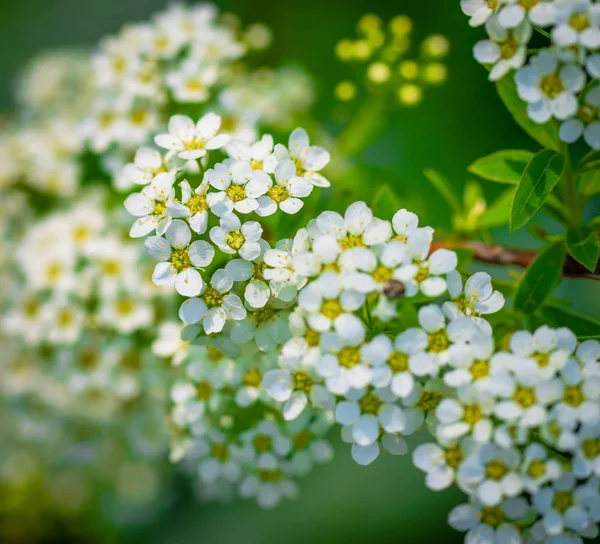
column 388, row 71
column 556, row 81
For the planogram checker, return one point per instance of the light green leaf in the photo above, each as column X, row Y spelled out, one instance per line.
column 545, row 134
column 498, row 213
column 540, row 278
column 589, row 182
column 583, row 246
column 539, row 178
column 444, row 188
column 581, row 325
column 503, row 166
column 589, row 162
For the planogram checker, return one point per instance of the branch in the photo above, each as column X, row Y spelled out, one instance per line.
column 503, row 256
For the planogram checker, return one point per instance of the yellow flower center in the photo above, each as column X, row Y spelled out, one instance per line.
column 331, row 308
column 235, row 239
column 138, row 116
column 591, row 448
column 220, row 452
column 278, row 193
column 204, row 390
column 398, row 361
column 111, row 267
column 195, row 144
column 194, row 84
column 125, row 306
column 312, row 338
column 524, row 396
column 259, row 269
column 479, row 369
column 573, row 396
column 429, row 400
column 214, row 355
column 551, row 85
column 302, row 440
column 302, row 381
column 422, row 273
column 528, row 4
column 579, row 21
column 300, row 170
column 159, row 209
column 563, row 500
column 270, row 475
column 236, row 193
column 88, row 359
column 536, row 469
column 349, row 357
column 472, row 414
column 64, row 318
column 382, row 274
column 493, row 516
column 212, row 297
column 180, row 260
column 454, row 457
column 542, row 359
column 252, row 378
column 588, row 114
column 263, row 315
column 350, row 241
column 370, row 403
column 495, row 469
column 508, row 48
column 262, row 443
column 256, row 165
column 438, row 341
column 197, row 203
column 131, row 360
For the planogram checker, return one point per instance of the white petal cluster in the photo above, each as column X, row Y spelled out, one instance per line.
column 558, row 81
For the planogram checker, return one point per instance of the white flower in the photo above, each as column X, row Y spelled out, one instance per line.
column 179, row 259
column 259, row 154
column 285, row 193
column 193, row 206
column 308, row 159
column 587, row 455
column 479, row 297
column 470, row 413
column 215, row 306
column 579, row 397
column 540, row 13
column 479, row 10
column 169, row 344
column 426, row 275
column 549, row 88
column 490, row 473
column 218, row 459
column 577, row 23
column 491, row 524
column 239, row 186
column 192, row 141
column 146, row 164
column 441, row 464
column 232, row 237
column 586, row 122
column 191, row 83
column 269, row 485
column 126, row 313
column 295, row 387
column 562, row 506
column 366, row 411
column 537, row 468
column 150, row 206
column 257, row 292
column 505, row 50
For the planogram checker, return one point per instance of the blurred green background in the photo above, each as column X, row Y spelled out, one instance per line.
column 457, row 123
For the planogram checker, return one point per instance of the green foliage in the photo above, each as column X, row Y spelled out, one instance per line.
column 498, row 213
column 583, row 246
column 538, row 180
column 385, row 202
column 540, row 279
column 545, row 134
column 445, row 188
column 503, row 166
column 589, row 182
column 581, row 325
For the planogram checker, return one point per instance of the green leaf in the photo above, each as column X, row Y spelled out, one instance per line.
column 503, row 166
column 540, row 177
column 385, row 202
column 540, row 278
column 498, row 213
column 545, row 134
column 589, row 183
column 590, row 161
column 583, row 246
column 581, row 325
column 444, row 188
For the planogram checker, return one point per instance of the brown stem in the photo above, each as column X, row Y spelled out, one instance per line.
column 500, row 255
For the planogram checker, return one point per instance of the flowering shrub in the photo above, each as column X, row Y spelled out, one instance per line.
column 177, row 281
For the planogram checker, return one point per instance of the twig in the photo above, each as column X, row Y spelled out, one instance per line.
column 508, row 256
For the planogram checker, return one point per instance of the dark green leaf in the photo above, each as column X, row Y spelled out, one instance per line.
column 385, row 202
column 589, row 182
column 540, row 278
column 540, row 177
column 444, row 188
column 545, row 134
column 581, row 325
column 503, row 166
column 583, row 246
column 498, row 213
